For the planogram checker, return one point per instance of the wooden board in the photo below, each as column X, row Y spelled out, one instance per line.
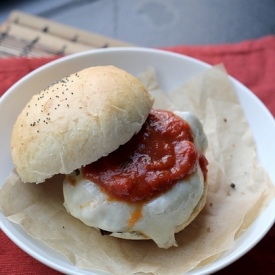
column 28, row 35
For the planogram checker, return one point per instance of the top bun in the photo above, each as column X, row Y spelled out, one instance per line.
column 76, row 121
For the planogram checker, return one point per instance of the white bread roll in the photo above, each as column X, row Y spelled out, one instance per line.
column 76, row 121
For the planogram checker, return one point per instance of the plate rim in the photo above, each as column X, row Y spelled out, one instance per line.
column 9, row 92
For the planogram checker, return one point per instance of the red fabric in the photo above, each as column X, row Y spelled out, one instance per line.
column 12, row 69
column 251, row 62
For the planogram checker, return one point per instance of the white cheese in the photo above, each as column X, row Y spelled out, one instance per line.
column 160, row 216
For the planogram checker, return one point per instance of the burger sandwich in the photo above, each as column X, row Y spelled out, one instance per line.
column 132, row 172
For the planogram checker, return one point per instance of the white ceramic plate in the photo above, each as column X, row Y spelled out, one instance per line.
column 172, row 71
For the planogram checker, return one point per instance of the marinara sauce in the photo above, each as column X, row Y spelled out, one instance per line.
column 161, row 153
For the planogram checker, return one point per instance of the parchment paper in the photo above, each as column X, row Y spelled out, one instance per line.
column 228, row 211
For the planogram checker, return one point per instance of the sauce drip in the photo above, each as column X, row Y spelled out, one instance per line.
column 135, row 215
column 161, row 153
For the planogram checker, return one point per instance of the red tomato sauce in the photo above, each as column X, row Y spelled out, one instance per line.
column 160, row 154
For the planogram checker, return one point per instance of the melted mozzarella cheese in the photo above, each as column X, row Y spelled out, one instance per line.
column 159, row 218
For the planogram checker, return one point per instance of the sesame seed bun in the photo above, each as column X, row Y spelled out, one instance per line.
column 76, row 121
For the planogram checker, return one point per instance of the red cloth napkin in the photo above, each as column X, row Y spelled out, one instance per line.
column 251, row 62
column 12, row 69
